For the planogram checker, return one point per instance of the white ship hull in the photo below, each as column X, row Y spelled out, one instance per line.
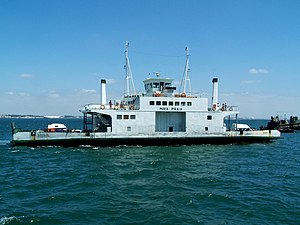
column 102, row 139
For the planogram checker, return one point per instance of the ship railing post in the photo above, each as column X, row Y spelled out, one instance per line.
column 84, row 121
column 236, row 121
column 13, row 127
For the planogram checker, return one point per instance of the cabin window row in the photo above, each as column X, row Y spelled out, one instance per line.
column 170, row 103
column 125, row 117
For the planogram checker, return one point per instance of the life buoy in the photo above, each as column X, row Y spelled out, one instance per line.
column 214, row 107
column 116, row 107
column 102, row 107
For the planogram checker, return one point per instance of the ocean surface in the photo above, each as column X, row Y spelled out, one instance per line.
column 205, row 184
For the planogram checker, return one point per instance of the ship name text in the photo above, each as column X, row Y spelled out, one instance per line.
column 170, row 108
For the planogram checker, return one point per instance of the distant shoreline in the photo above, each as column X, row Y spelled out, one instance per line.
column 38, row 117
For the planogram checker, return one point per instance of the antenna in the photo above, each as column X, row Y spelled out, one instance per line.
column 157, row 74
column 129, row 88
column 186, row 78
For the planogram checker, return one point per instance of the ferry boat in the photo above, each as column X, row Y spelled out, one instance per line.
column 160, row 115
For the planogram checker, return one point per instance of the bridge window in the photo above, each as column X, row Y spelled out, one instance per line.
column 158, row 102
column 132, row 117
column 189, row 103
column 164, row 103
column 182, row 103
column 171, row 103
column 126, row 117
column 119, row 117
column 176, row 103
column 151, row 103
column 209, row 117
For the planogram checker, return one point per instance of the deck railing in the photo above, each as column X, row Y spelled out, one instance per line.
column 225, row 108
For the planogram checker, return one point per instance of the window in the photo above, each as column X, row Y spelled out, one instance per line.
column 119, row 117
column 189, row 103
column 132, row 117
column 126, row 117
column 206, row 128
column 164, row 103
column 128, row 128
column 176, row 103
column 158, row 102
column 209, row 117
column 171, row 103
column 182, row 103
column 151, row 103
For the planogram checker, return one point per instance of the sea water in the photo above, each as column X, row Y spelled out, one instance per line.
column 197, row 184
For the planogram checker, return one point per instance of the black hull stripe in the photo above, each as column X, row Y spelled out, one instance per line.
column 102, row 142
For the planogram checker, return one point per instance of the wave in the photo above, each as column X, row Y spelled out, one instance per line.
column 4, row 142
column 6, row 220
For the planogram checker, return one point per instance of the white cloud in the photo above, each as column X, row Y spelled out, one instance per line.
column 26, row 75
column 21, row 94
column 54, row 94
column 89, row 91
column 247, row 81
column 258, row 71
column 111, row 81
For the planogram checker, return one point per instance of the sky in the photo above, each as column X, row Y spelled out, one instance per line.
column 54, row 53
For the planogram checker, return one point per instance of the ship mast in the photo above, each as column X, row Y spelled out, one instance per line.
column 129, row 88
column 186, row 78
